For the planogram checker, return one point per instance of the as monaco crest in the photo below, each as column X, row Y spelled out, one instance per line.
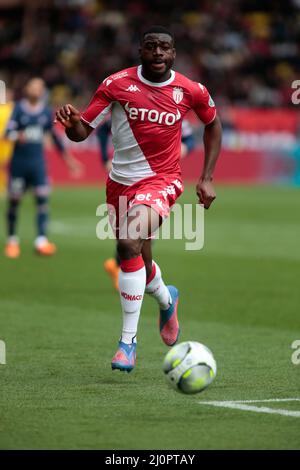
column 177, row 94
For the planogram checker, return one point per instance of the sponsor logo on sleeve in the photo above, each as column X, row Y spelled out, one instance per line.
column 107, row 81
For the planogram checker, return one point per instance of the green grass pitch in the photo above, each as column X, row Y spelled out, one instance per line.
column 60, row 320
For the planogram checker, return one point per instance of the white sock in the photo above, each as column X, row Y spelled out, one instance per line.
column 157, row 288
column 132, row 281
column 13, row 239
column 40, row 240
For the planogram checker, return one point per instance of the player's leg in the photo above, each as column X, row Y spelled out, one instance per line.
column 166, row 296
column 12, row 247
column 16, row 188
column 155, row 285
column 147, row 256
column 41, row 243
column 41, row 192
column 132, row 282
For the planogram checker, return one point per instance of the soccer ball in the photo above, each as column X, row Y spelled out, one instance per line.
column 190, row 367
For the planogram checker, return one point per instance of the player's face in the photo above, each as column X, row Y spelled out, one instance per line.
column 157, row 55
column 35, row 90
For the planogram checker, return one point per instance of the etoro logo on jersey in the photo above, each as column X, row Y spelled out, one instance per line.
column 152, row 115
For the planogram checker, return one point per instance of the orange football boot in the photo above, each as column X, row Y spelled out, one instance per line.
column 46, row 248
column 112, row 268
column 12, row 249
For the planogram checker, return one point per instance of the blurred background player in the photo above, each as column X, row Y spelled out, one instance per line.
column 103, row 133
column 188, row 143
column 30, row 121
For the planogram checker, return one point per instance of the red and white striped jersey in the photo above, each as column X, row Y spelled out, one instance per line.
column 146, row 121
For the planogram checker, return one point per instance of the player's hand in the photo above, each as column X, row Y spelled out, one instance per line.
column 68, row 116
column 21, row 137
column 184, row 150
column 206, row 192
column 75, row 167
column 76, row 170
column 108, row 166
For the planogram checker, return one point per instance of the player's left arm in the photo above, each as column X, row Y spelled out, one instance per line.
column 206, row 111
column 212, row 145
column 12, row 132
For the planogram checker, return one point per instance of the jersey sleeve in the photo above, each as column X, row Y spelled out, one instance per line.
column 99, row 106
column 49, row 127
column 49, row 123
column 203, row 104
column 13, row 124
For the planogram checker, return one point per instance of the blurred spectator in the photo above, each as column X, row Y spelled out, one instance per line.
column 247, row 51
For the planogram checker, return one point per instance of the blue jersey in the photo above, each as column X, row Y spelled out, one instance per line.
column 103, row 132
column 34, row 123
column 187, row 135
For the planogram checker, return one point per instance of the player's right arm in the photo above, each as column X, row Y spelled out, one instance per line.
column 79, row 125
column 70, row 117
column 12, row 131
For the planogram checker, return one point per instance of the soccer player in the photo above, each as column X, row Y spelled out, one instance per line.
column 31, row 119
column 148, row 103
column 112, row 265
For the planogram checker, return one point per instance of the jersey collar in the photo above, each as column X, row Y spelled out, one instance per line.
column 33, row 110
column 147, row 82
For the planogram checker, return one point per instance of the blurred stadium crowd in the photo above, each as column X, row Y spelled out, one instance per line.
column 246, row 51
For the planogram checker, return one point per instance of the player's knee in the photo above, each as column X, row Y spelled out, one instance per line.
column 128, row 248
column 12, row 209
column 148, row 266
column 13, row 202
column 42, row 203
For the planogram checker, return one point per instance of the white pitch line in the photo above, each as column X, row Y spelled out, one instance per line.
column 268, row 400
column 62, row 228
column 240, row 405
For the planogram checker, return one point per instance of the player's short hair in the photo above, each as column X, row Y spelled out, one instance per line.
column 34, row 78
column 159, row 30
